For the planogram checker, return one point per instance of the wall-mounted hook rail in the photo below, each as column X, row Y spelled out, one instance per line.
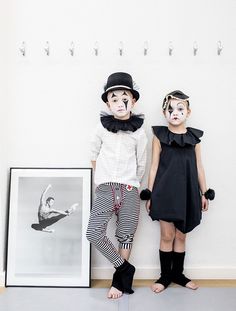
column 23, row 48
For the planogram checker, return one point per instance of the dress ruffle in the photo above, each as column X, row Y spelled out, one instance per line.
column 191, row 137
column 114, row 125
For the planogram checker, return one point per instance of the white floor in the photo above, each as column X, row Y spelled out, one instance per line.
column 75, row 299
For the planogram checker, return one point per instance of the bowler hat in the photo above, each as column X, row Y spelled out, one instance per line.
column 119, row 81
column 175, row 94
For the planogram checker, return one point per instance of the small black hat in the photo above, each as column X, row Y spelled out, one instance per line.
column 175, row 94
column 119, row 81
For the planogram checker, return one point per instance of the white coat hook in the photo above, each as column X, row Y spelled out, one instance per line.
column 72, row 49
column 170, row 48
column 47, row 49
column 96, row 48
column 22, row 48
column 121, row 47
column 145, row 49
column 219, row 47
column 195, row 48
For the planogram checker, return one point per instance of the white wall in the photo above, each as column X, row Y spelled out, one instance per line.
column 4, row 48
column 50, row 104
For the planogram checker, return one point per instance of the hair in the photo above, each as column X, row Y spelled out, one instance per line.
column 49, row 199
column 167, row 100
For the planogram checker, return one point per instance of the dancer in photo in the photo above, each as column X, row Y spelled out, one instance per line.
column 177, row 191
column 47, row 215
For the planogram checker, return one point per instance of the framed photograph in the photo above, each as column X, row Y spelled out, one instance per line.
column 48, row 215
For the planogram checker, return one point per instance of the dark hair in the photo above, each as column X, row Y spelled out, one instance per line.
column 49, row 199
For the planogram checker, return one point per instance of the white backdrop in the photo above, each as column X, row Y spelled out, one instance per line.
column 50, row 104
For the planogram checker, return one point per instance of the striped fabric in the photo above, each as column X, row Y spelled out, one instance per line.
column 123, row 200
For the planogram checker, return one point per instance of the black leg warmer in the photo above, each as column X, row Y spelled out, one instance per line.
column 177, row 270
column 166, row 263
column 123, row 277
column 116, row 281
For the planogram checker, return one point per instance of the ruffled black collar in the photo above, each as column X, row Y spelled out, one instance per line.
column 114, row 125
column 191, row 137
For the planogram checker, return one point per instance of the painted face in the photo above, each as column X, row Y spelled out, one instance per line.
column 120, row 102
column 176, row 111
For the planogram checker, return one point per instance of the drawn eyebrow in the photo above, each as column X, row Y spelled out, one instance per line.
column 125, row 94
column 180, row 103
column 113, row 95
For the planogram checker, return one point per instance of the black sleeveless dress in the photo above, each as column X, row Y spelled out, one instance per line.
column 176, row 194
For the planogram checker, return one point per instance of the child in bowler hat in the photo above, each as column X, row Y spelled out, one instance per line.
column 118, row 159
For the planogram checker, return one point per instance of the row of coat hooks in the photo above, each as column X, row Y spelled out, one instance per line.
column 71, row 49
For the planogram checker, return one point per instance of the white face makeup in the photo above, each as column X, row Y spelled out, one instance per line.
column 120, row 102
column 176, row 111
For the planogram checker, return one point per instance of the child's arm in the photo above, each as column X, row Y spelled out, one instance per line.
column 141, row 155
column 93, row 165
column 201, row 177
column 156, row 150
column 96, row 143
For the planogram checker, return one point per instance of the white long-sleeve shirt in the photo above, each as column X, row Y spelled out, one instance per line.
column 120, row 157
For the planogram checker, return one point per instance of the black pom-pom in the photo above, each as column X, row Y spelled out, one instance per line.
column 145, row 194
column 209, row 194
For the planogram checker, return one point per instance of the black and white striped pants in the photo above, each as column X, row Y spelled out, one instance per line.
column 123, row 200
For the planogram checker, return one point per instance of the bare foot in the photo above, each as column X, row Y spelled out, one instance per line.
column 114, row 293
column 72, row 209
column 157, row 287
column 48, row 230
column 191, row 285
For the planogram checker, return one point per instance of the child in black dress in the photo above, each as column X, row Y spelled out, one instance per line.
column 177, row 191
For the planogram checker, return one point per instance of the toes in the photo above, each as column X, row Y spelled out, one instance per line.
column 114, row 293
column 157, row 287
column 158, row 290
column 115, row 296
column 191, row 285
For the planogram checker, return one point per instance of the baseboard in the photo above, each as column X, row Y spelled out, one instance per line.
column 2, row 279
column 214, row 273
column 209, row 273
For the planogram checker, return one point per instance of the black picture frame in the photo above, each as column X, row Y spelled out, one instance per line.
column 47, row 219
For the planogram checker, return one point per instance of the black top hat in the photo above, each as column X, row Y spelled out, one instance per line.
column 119, row 81
column 175, row 94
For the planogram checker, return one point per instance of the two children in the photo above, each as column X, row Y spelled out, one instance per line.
column 173, row 194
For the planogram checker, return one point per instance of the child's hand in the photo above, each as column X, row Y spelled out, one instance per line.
column 148, row 204
column 205, row 204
